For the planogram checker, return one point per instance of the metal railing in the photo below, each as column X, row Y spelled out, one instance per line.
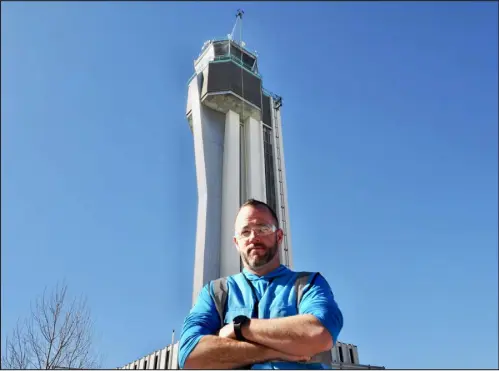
column 221, row 39
column 269, row 93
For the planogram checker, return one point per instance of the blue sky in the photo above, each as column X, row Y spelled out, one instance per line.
column 390, row 124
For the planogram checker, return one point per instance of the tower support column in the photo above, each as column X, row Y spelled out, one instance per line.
column 255, row 163
column 208, row 133
column 229, row 257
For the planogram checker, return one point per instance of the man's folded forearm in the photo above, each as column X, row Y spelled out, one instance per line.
column 214, row 352
column 296, row 335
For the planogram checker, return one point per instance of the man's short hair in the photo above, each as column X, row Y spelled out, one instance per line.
column 261, row 205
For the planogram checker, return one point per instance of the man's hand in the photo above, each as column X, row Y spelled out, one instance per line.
column 227, row 332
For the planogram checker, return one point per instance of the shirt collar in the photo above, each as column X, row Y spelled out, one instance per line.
column 279, row 271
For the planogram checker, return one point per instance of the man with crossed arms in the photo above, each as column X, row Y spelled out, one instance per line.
column 267, row 331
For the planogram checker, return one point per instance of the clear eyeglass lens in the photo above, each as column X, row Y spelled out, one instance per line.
column 261, row 230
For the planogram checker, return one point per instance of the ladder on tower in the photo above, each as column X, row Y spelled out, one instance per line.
column 277, row 106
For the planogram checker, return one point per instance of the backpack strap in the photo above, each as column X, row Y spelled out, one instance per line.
column 300, row 283
column 219, row 296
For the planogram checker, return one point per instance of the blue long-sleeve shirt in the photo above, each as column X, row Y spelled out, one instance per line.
column 275, row 300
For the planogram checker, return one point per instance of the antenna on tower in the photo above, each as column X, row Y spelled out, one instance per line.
column 239, row 18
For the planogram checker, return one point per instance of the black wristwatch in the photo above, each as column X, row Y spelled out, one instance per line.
column 239, row 322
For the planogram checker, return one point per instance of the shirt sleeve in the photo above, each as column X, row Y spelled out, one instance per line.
column 202, row 320
column 318, row 300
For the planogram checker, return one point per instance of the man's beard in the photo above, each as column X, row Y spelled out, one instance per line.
column 258, row 261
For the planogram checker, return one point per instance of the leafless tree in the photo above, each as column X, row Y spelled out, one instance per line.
column 57, row 334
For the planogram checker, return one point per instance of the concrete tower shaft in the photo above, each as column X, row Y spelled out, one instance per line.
column 236, row 125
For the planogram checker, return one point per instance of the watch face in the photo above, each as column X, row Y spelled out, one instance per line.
column 239, row 320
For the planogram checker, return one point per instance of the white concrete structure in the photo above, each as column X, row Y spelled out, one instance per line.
column 236, row 126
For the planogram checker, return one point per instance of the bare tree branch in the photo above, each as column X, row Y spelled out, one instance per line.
column 57, row 334
column 16, row 353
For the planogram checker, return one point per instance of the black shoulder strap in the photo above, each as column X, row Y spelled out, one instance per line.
column 219, row 296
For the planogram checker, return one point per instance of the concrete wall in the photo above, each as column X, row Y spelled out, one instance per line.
column 174, row 357
column 208, row 128
column 347, row 350
column 202, row 61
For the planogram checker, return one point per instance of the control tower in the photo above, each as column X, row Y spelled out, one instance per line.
column 238, row 147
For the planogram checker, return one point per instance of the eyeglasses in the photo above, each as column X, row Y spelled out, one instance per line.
column 259, row 230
